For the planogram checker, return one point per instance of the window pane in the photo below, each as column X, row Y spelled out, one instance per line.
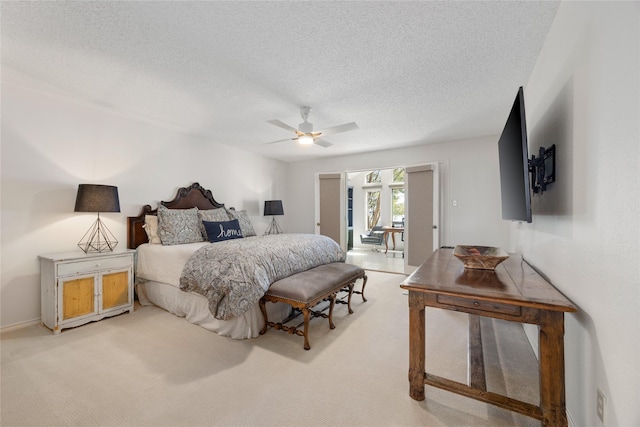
column 373, row 208
column 398, row 175
column 397, row 204
column 374, row 176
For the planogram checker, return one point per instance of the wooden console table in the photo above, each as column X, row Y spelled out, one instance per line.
column 515, row 292
column 392, row 231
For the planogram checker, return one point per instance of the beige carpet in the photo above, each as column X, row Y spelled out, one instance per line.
column 150, row 368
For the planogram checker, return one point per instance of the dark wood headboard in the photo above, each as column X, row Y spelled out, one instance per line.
column 186, row 197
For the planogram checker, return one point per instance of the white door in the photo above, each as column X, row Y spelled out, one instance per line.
column 330, row 207
column 421, row 234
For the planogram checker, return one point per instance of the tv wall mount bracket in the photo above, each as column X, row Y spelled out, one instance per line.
column 543, row 169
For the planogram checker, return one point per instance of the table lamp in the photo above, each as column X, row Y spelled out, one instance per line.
column 273, row 207
column 97, row 198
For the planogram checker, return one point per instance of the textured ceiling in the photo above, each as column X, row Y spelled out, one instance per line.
column 406, row 72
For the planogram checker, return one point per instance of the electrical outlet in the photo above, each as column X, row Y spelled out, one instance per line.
column 601, row 405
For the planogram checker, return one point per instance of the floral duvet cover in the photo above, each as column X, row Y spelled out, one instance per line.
column 234, row 274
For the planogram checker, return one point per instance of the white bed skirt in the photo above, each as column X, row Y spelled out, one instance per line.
column 195, row 309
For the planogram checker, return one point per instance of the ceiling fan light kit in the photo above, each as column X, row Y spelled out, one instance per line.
column 305, row 139
column 305, row 134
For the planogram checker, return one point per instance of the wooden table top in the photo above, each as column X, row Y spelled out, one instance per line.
column 512, row 282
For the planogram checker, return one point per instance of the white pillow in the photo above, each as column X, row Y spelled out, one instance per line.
column 151, row 228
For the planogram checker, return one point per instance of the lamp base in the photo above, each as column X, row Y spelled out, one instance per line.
column 98, row 239
column 274, row 228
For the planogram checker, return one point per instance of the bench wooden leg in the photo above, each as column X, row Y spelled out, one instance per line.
column 361, row 291
column 364, row 283
column 305, row 314
column 350, row 288
column 332, row 299
column 351, row 285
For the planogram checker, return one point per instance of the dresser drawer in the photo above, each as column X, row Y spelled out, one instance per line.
column 489, row 306
column 91, row 265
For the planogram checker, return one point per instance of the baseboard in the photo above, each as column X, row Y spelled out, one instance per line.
column 20, row 325
column 570, row 420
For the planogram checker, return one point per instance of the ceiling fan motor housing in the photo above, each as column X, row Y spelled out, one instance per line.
column 305, row 127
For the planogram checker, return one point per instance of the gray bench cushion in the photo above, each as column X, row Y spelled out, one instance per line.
column 309, row 285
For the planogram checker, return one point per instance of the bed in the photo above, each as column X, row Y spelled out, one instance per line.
column 216, row 285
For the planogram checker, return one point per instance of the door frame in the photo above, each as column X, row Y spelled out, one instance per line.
column 437, row 205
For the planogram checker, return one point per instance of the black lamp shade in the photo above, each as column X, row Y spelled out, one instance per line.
column 273, row 207
column 97, row 198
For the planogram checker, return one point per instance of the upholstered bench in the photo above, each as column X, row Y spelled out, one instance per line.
column 307, row 289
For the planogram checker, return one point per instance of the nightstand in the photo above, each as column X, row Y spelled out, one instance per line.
column 77, row 288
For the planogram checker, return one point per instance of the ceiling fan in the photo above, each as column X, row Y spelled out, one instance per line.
column 305, row 134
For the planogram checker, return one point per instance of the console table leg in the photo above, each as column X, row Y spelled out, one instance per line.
column 552, row 387
column 416, row 345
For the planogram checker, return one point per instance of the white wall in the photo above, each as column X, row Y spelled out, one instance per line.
column 52, row 142
column 584, row 96
column 469, row 173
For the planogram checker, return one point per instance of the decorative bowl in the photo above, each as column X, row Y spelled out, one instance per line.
column 480, row 257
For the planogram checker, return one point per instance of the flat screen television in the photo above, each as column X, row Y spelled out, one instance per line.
column 514, row 164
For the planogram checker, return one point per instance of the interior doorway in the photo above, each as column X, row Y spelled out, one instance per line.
column 384, row 219
column 375, row 201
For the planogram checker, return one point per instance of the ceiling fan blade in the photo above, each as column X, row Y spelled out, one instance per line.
column 322, row 143
column 282, row 125
column 341, row 128
column 280, row 140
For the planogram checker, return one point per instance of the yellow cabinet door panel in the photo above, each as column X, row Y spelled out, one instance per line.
column 115, row 289
column 77, row 297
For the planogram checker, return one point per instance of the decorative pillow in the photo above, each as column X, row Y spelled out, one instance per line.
column 212, row 215
column 151, row 228
column 225, row 230
column 245, row 222
column 177, row 226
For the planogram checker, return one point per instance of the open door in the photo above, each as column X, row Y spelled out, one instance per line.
column 330, row 207
column 421, row 234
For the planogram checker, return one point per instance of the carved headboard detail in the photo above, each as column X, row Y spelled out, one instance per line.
column 186, row 197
